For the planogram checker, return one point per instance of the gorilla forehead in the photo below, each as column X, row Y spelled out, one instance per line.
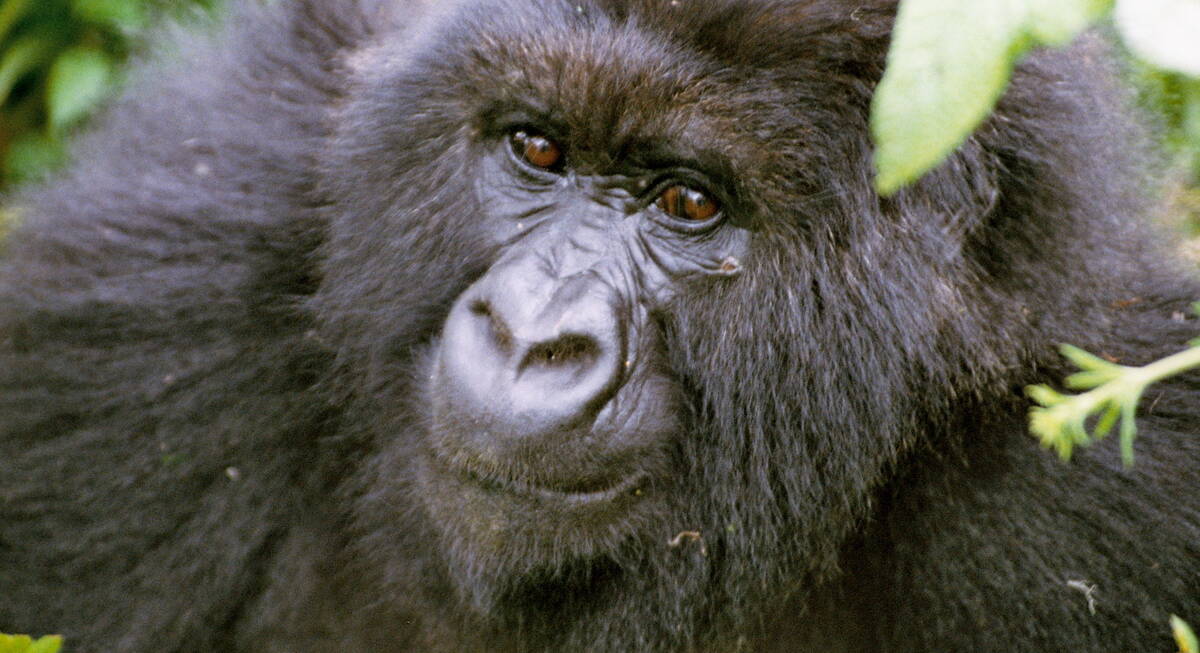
column 732, row 84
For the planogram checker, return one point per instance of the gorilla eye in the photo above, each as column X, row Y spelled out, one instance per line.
column 687, row 203
column 536, row 150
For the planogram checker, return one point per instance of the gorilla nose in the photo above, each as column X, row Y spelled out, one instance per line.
column 521, row 361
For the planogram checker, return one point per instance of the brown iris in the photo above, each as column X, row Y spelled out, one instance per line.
column 537, row 150
column 687, row 203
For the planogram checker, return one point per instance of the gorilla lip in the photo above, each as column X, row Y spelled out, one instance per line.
column 583, row 493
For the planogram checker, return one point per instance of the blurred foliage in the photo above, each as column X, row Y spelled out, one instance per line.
column 1174, row 99
column 59, row 60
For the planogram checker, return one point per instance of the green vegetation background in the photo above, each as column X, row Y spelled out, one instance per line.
column 1172, row 103
column 59, row 61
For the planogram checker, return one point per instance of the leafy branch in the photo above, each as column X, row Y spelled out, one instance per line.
column 1112, row 393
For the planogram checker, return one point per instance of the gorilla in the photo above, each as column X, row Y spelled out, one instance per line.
column 548, row 325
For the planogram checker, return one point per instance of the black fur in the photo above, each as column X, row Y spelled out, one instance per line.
column 215, row 326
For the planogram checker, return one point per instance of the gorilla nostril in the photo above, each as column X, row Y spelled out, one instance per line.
column 574, row 350
column 500, row 333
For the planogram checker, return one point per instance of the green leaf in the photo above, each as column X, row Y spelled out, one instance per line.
column 1085, row 360
column 12, row 11
column 1128, row 428
column 78, row 81
column 32, row 155
column 1185, row 637
column 1162, row 32
column 127, row 15
column 1089, row 379
column 948, row 65
column 15, row 643
column 1105, row 423
column 1190, row 123
column 1044, row 395
column 22, row 56
column 50, row 644
column 1057, row 23
column 26, row 644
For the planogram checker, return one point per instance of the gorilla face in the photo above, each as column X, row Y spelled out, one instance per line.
column 544, row 396
column 588, row 194
column 550, row 409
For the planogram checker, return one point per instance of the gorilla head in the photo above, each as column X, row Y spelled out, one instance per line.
column 618, row 194
column 577, row 326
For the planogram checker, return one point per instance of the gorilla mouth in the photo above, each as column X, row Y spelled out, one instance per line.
column 579, row 493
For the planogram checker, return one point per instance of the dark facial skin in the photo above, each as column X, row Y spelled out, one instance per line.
column 543, row 398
